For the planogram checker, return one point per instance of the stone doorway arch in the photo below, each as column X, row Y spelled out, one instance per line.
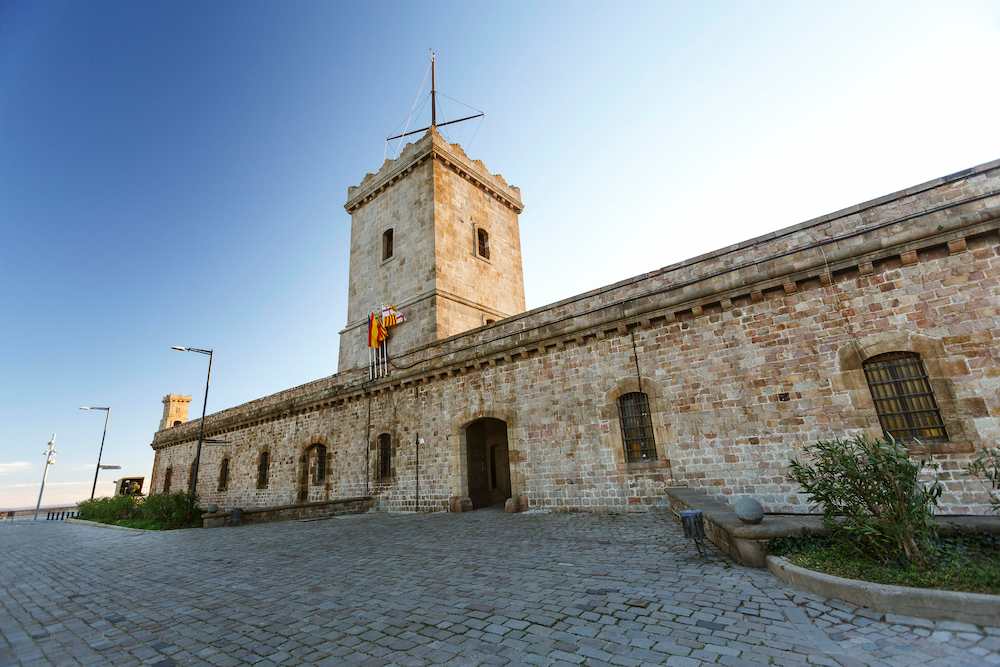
column 487, row 454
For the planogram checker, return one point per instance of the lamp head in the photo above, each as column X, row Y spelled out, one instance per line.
column 178, row 348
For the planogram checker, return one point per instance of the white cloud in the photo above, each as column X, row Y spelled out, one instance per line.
column 14, row 466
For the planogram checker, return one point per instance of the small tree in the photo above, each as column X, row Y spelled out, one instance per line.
column 987, row 465
column 871, row 496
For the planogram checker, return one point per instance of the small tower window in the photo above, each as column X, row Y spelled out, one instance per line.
column 263, row 470
column 386, row 244
column 317, row 463
column 177, row 422
column 384, row 456
column 224, row 475
column 483, row 243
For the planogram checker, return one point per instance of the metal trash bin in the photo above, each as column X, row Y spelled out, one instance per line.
column 693, row 522
column 235, row 516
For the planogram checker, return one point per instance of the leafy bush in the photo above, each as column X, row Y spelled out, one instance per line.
column 171, row 510
column 109, row 510
column 987, row 465
column 162, row 511
column 872, row 498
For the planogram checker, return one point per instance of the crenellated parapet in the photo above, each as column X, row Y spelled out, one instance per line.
column 433, row 146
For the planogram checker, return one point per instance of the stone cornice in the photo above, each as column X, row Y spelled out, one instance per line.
column 427, row 295
column 450, row 155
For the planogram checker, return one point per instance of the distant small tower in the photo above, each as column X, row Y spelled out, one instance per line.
column 175, row 410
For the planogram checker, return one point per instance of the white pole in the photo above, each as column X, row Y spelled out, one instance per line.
column 45, row 472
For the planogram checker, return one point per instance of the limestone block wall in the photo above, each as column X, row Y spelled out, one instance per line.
column 434, row 198
column 746, row 357
column 407, row 207
column 495, row 284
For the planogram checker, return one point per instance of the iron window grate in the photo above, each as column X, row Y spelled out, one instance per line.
column 904, row 400
column 637, row 427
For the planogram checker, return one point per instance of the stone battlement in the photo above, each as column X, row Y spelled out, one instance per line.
column 452, row 155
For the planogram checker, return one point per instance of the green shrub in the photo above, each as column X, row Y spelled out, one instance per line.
column 987, row 465
column 171, row 510
column 109, row 510
column 872, row 498
column 163, row 511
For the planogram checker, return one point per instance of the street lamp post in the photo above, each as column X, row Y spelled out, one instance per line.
column 50, row 458
column 100, row 452
column 193, row 485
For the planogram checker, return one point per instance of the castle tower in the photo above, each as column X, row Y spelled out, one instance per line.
column 435, row 234
column 175, row 410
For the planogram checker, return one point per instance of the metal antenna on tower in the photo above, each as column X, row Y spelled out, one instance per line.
column 434, row 123
column 434, row 114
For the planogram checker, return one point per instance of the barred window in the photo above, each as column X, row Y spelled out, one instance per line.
column 263, row 469
column 903, row 397
column 168, row 477
column 386, row 244
column 637, row 427
column 317, row 463
column 483, row 243
column 224, row 474
column 384, row 456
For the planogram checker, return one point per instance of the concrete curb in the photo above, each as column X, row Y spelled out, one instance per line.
column 975, row 608
column 96, row 524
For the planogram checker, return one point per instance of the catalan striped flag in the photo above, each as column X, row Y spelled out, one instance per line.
column 390, row 316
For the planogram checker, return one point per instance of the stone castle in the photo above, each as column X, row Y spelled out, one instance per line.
column 713, row 372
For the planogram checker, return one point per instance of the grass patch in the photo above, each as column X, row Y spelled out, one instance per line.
column 960, row 563
column 145, row 524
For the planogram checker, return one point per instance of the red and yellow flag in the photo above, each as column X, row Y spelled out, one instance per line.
column 377, row 331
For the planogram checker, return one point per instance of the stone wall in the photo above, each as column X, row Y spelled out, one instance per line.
column 747, row 354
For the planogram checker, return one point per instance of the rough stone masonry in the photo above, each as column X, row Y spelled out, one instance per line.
column 713, row 372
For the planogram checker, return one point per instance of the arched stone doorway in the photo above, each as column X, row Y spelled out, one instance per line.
column 488, row 462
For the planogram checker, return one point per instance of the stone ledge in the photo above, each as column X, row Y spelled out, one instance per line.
column 356, row 505
column 748, row 544
column 98, row 524
column 976, row 608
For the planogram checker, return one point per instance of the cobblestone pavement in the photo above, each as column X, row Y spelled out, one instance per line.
column 463, row 589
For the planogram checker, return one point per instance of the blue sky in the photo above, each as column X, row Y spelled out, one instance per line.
column 175, row 173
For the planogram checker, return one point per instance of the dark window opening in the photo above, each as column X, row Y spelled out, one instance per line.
column 637, row 427
column 904, row 400
column 168, row 477
column 489, row 322
column 317, row 463
column 494, row 450
column 386, row 244
column 483, row 243
column 263, row 470
column 177, row 422
column 384, row 456
column 224, row 475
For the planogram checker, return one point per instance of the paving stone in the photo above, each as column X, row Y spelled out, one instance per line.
column 433, row 589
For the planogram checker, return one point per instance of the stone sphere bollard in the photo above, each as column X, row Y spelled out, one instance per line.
column 748, row 510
